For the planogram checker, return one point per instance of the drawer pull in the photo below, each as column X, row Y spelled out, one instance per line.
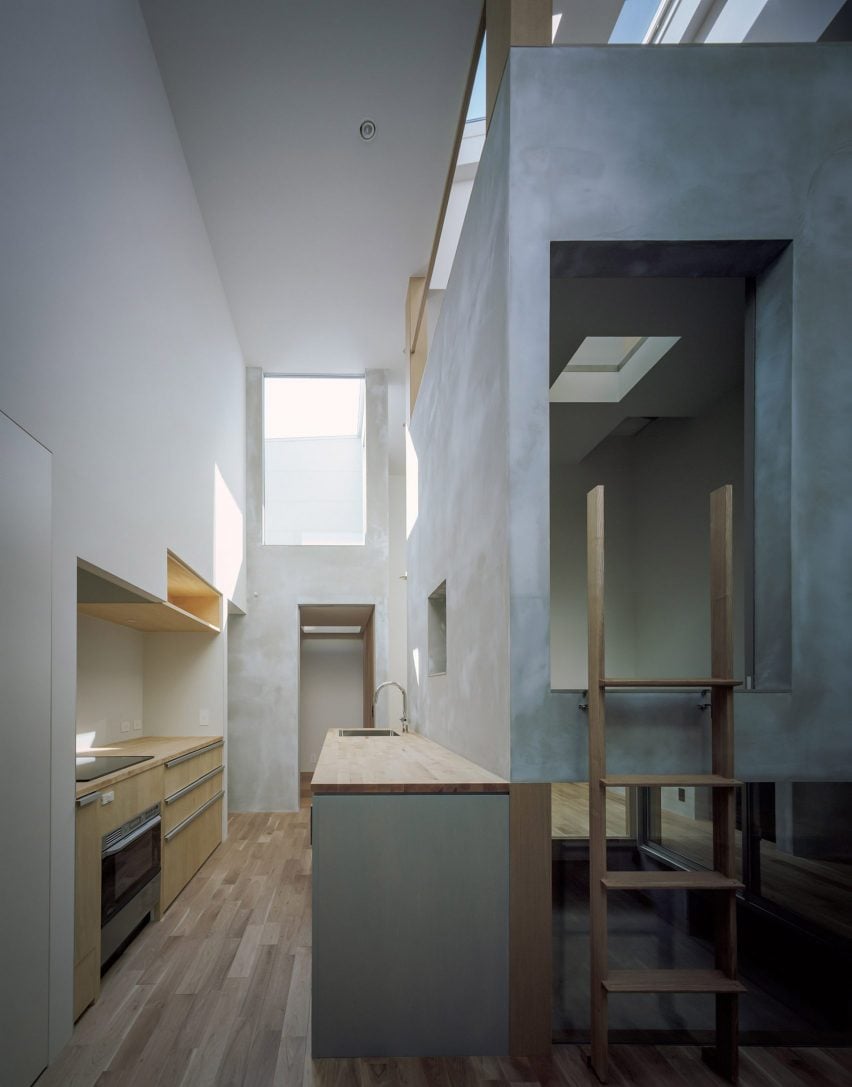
column 194, row 754
column 194, row 784
column 173, row 833
column 89, row 798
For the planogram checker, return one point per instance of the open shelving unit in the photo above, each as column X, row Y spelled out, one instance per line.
column 192, row 605
column 721, row 981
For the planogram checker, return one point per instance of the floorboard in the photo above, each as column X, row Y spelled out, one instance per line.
column 217, row 994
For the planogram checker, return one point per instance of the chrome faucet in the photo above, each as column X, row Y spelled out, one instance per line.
column 393, row 683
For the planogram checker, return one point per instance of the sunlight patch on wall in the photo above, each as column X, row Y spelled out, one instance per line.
column 229, row 537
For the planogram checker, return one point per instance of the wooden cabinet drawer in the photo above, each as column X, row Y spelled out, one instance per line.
column 187, row 846
column 132, row 796
column 183, row 803
column 87, row 907
column 185, row 769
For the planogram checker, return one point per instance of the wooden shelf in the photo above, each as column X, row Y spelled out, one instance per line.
column 191, row 594
column 712, row 781
column 685, row 683
column 671, row 981
column 689, row 881
column 156, row 616
column 193, row 606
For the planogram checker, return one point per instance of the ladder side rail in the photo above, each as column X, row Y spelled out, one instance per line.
column 597, row 772
column 725, row 1054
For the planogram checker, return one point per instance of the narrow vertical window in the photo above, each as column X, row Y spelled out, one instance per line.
column 314, row 463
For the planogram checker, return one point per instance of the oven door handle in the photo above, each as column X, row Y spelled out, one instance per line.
column 124, row 842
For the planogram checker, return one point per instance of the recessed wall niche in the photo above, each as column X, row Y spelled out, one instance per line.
column 437, row 604
column 659, row 447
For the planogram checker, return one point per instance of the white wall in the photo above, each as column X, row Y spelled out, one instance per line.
column 118, row 350
column 185, row 688
column 109, row 680
column 331, row 687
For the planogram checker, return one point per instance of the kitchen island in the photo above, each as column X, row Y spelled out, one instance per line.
column 431, row 903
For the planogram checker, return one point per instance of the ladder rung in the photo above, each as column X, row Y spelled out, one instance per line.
column 713, row 682
column 691, row 881
column 713, row 781
column 671, row 981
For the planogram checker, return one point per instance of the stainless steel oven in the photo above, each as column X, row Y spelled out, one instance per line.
column 130, row 881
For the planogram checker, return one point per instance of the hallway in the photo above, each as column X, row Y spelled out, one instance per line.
column 218, row 994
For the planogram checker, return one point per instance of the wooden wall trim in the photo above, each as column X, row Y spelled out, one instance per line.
column 530, row 920
column 512, row 22
column 448, row 183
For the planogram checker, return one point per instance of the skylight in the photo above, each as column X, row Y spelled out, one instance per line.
column 476, row 105
column 604, row 369
column 604, row 353
column 634, row 21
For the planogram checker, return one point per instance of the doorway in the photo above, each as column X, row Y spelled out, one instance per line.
column 336, row 674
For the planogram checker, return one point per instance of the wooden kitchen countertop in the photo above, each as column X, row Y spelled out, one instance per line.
column 161, row 747
column 407, row 763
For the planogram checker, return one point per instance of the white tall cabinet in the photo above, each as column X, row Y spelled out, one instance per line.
column 25, row 701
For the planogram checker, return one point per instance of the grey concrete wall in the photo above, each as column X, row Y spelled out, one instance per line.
column 696, row 144
column 459, row 432
column 263, row 647
column 411, row 925
column 658, row 607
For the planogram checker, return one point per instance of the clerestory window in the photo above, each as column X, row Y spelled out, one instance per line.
column 314, row 470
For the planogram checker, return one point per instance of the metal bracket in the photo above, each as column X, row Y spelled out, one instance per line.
column 584, row 702
column 704, row 702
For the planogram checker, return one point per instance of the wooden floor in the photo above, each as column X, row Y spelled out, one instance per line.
column 218, row 993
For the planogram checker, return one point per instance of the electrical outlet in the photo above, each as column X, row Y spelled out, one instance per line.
column 137, row 726
column 204, row 718
column 107, row 798
column 125, row 726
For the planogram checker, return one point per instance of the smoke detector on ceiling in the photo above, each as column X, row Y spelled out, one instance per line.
column 367, row 130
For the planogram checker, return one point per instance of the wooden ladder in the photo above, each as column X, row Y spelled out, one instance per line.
column 722, row 981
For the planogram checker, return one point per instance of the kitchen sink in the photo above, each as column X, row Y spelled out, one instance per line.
column 367, row 732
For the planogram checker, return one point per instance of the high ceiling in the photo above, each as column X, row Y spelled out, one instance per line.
column 315, row 231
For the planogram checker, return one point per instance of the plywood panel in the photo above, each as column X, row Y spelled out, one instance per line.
column 184, row 773
column 158, row 616
column 190, row 802
column 369, row 662
column 530, row 920
column 334, row 615
column 87, row 908
column 132, row 796
column 512, row 22
column 188, row 850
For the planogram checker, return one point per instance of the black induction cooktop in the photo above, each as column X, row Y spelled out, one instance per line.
column 90, row 767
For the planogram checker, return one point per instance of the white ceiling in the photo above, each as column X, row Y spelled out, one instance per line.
column 315, row 231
